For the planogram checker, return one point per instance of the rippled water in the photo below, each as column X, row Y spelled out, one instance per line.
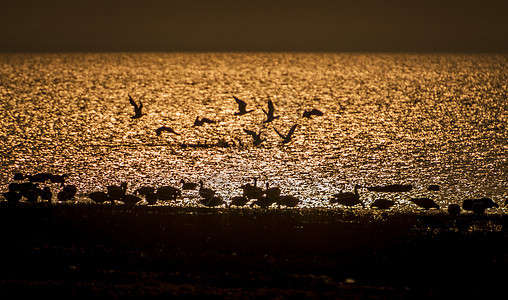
column 394, row 118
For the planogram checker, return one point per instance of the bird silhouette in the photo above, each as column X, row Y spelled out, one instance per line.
column 272, row 192
column 382, row 203
column 347, row 198
column 313, row 112
column 201, row 122
column 255, row 136
column 46, row 194
column 269, row 115
column 287, row 138
column 137, row 108
column 425, row 203
column 168, row 193
column 242, row 107
column 188, row 185
column 159, row 130
column 99, row 197
column 130, row 200
column 239, row 201
column 252, row 191
column 205, row 192
column 213, row 201
column 288, row 201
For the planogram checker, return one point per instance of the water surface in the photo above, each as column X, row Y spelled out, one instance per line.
column 388, row 118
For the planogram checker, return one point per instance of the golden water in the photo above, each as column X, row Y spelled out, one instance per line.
column 388, row 118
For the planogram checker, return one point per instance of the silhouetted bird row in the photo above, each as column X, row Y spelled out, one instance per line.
column 252, row 193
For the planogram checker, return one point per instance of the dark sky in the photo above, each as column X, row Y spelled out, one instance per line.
column 318, row 25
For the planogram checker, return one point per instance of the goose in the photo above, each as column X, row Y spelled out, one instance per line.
column 287, row 138
column 241, row 107
column 433, row 187
column 151, row 198
column 263, row 202
column 188, row 185
column 46, row 194
column 425, row 203
column 144, row 190
column 12, row 197
column 486, row 202
column 39, row 177
column 269, row 115
column 255, row 136
column 99, row 197
column 116, row 192
column 213, row 201
column 454, row 210
column 288, row 201
column 168, row 193
column 19, row 176
column 273, row 193
column 32, row 195
column 314, row 112
column 382, row 203
column 347, row 198
column 201, row 122
column 205, row 192
column 130, row 200
column 239, row 201
column 159, row 130
column 58, row 179
column 137, row 108
column 252, row 191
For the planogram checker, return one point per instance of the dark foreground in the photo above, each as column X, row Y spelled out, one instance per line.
column 84, row 251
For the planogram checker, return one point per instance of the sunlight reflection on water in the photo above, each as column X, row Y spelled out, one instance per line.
column 419, row 119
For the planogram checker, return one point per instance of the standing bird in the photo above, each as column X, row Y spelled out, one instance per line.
column 286, row 139
column 425, row 203
column 269, row 115
column 205, row 192
column 159, row 130
column 201, row 122
column 242, row 107
column 255, row 136
column 347, row 198
column 314, row 112
column 137, row 108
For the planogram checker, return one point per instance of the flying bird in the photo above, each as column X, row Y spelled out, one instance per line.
column 242, row 107
column 313, row 112
column 137, row 108
column 287, row 138
column 255, row 136
column 159, row 130
column 201, row 122
column 269, row 115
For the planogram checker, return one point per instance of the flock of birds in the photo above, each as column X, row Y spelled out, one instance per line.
column 242, row 110
column 27, row 187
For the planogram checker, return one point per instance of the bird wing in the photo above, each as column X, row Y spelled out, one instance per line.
column 241, row 104
column 280, row 134
column 292, row 130
column 316, row 112
column 271, row 109
column 250, row 132
column 133, row 103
